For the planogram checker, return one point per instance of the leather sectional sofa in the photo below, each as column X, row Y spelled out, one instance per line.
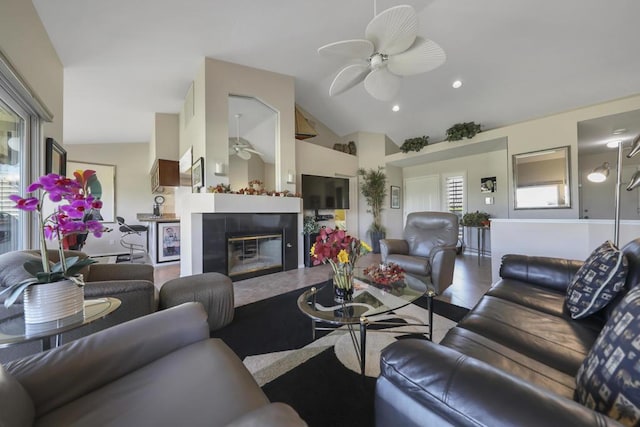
column 511, row 361
column 157, row 370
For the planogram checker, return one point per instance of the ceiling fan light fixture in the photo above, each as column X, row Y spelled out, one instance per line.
column 390, row 50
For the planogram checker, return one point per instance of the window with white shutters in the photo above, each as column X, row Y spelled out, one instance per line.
column 455, row 197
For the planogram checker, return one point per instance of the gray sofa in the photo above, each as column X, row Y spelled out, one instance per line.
column 512, row 360
column 158, row 370
column 132, row 284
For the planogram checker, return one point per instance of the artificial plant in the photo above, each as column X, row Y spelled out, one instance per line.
column 374, row 189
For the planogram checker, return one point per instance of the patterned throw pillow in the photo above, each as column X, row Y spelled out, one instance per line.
column 599, row 279
column 609, row 379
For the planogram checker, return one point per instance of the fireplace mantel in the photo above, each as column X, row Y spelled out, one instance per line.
column 240, row 203
column 193, row 206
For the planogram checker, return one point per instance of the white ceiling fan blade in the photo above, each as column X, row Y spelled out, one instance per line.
column 251, row 150
column 382, row 84
column 393, row 30
column 244, row 155
column 348, row 77
column 359, row 48
column 423, row 56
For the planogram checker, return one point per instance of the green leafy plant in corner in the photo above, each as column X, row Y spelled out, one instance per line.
column 374, row 189
column 310, row 225
column 475, row 219
column 414, row 144
column 462, row 130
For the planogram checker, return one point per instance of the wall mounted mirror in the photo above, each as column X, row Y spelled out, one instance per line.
column 598, row 141
column 252, row 142
column 541, row 179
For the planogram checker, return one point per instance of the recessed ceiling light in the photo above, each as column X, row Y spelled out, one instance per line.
column 395, row 108
column 457, row 84
column 613, row 144
column 619, row 131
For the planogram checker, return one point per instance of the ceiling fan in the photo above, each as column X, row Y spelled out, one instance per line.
column 242, row 148
column 391, row 49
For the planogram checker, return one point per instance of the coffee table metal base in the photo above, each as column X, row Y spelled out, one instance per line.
column 360, row 345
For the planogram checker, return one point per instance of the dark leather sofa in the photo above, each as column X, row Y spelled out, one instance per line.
column 511, row 361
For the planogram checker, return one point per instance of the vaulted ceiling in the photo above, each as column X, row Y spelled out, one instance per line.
column 518, row 59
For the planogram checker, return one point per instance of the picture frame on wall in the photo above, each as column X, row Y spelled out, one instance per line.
column 55, row 158
column 197, row 174
column 488, row 185
column 168, row 241
column 395, row 197
column 102, row 187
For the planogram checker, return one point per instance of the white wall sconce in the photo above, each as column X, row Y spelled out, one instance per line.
column 219, row 169
column 291, row 177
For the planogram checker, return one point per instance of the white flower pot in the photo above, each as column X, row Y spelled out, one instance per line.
column 52, row 301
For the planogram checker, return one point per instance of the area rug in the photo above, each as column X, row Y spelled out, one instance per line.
column 320, row 379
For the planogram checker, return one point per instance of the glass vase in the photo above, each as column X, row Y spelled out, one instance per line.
column 342, row 286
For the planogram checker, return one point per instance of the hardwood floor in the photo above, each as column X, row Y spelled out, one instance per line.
column 471, row 280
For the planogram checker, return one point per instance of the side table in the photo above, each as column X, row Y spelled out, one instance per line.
column 13, row 330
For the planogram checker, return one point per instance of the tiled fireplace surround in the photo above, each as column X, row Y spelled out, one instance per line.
column 216, row 227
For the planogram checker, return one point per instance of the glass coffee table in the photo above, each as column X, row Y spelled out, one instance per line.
column 13, row 330
column 370, row 300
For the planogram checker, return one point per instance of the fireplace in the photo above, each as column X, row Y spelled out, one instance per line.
column 244, row 245
column 254, row 253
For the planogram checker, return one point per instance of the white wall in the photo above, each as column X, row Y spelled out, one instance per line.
column 25, row 43
column 475, row 167
column 132, row 191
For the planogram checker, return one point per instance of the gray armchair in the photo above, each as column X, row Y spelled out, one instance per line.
column 428, row 249
column 132, row 284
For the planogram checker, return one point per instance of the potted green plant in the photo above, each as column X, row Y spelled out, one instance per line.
column 476, row 219
column 462, row 130
column 374, row 189
column 414, row 144
column 310, row 230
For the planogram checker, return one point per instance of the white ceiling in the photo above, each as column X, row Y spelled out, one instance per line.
column 518, row 59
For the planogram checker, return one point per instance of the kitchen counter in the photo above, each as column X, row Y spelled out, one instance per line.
column 146, row 217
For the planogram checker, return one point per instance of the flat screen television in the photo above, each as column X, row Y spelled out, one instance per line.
column 323, row 192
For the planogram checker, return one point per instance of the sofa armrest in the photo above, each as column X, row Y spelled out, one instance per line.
column 63, row 374
column 443, row 261
column 272, row 415
column 553, row 273
column 393, row 246
column 110, row 272
column 450, row 388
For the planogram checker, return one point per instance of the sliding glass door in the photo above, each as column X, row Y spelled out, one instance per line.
column 13, row 169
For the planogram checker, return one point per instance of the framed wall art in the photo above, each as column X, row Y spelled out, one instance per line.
column 168, row 241
column 55, row 158
column 395, row 197
column 197, row 174
column 102, row 186
column 488, row 185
